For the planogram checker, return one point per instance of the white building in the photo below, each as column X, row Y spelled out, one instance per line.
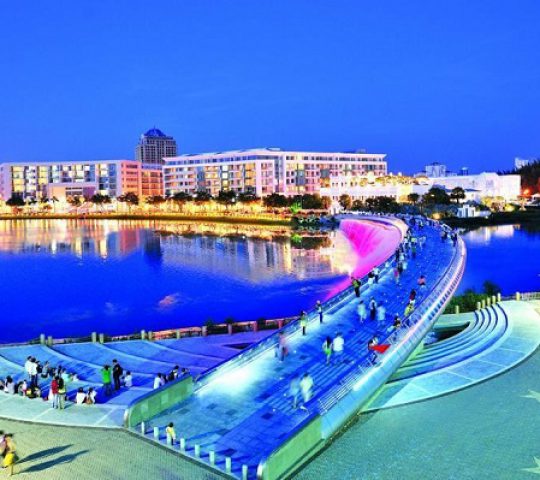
column 436, row 170
column 476, row 187
column 267, row 170
column 78, row 178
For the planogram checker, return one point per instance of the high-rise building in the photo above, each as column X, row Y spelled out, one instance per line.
column 264, row 171
column 154, row 146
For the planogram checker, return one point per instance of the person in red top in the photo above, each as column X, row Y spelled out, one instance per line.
column 54, row 391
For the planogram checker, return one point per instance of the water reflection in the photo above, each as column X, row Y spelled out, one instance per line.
column 117, row 276
column 251, row 252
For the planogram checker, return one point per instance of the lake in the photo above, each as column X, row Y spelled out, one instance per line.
column 508, row 255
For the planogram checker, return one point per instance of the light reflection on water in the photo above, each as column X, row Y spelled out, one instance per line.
column 119, row 277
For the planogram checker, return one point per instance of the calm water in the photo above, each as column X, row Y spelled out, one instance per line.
column 76, row 277
column 119, row 277
column 507, row 255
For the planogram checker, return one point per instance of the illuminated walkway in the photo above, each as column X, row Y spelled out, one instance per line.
column 247, row 413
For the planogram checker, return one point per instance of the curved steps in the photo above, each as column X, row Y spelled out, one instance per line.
column 490, row 326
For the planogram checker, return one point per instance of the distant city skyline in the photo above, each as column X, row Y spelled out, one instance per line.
column 450, row 83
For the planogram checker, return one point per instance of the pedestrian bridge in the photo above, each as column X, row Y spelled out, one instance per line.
column 238, row 418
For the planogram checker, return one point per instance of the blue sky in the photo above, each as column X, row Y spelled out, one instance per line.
column 451, row 81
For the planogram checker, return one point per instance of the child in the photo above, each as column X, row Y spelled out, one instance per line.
column 171, row 434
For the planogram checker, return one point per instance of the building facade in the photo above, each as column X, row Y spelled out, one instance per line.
column 476, row 187
column 264, row 171
column 154, row 146
column 37, row 180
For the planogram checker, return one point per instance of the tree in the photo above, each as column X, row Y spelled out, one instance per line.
column 326, row 202
column 129, row 199
column 382, row 204
column 100, row 200
column 357, row 205
column 203, row 196
column 247, row 197
column 436, row 196
column 413, row 198
column 226, row 197
column 180, row 199
column 155, row 200
column 16, row 202
column 457, row 194
column 74, row 201
column 345, row 201
column 275, row 200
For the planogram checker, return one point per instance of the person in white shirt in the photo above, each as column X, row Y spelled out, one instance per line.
column 157, row 381
column 80, row 398
column 306, row 388
column 362, row 311
column 338, row 346
column 128, row 380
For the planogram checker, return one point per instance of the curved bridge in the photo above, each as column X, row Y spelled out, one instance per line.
column 238, row 417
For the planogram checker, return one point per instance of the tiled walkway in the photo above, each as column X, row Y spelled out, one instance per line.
column 247, row 413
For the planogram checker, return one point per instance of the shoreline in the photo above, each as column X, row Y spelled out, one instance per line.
column 526, row 218
column 157, row 217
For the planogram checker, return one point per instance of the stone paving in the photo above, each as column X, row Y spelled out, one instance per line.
column 487, row 432
column 247, row 413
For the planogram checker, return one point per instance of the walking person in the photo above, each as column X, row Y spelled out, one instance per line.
column 338, row 345
column 303, row 322
column 294, row 390
column 106, row 379
column 283, row 349
column 421, row 281
column 117, row 372
column 372, row 309
column 171, row 433
column 327, row 349
column 54, row 392
column 306, row 388
column 320, row 311
column 381, row 315
column 356, row 286
column 61, row 393
column 10, row 455
column 362, row 311
column 377, row 274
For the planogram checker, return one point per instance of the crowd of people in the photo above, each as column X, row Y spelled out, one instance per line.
column 42, row 380
column 371, row 310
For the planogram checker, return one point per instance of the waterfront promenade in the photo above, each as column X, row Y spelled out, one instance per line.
column 250, row 405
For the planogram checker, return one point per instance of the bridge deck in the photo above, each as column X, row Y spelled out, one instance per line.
column 248, row 412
